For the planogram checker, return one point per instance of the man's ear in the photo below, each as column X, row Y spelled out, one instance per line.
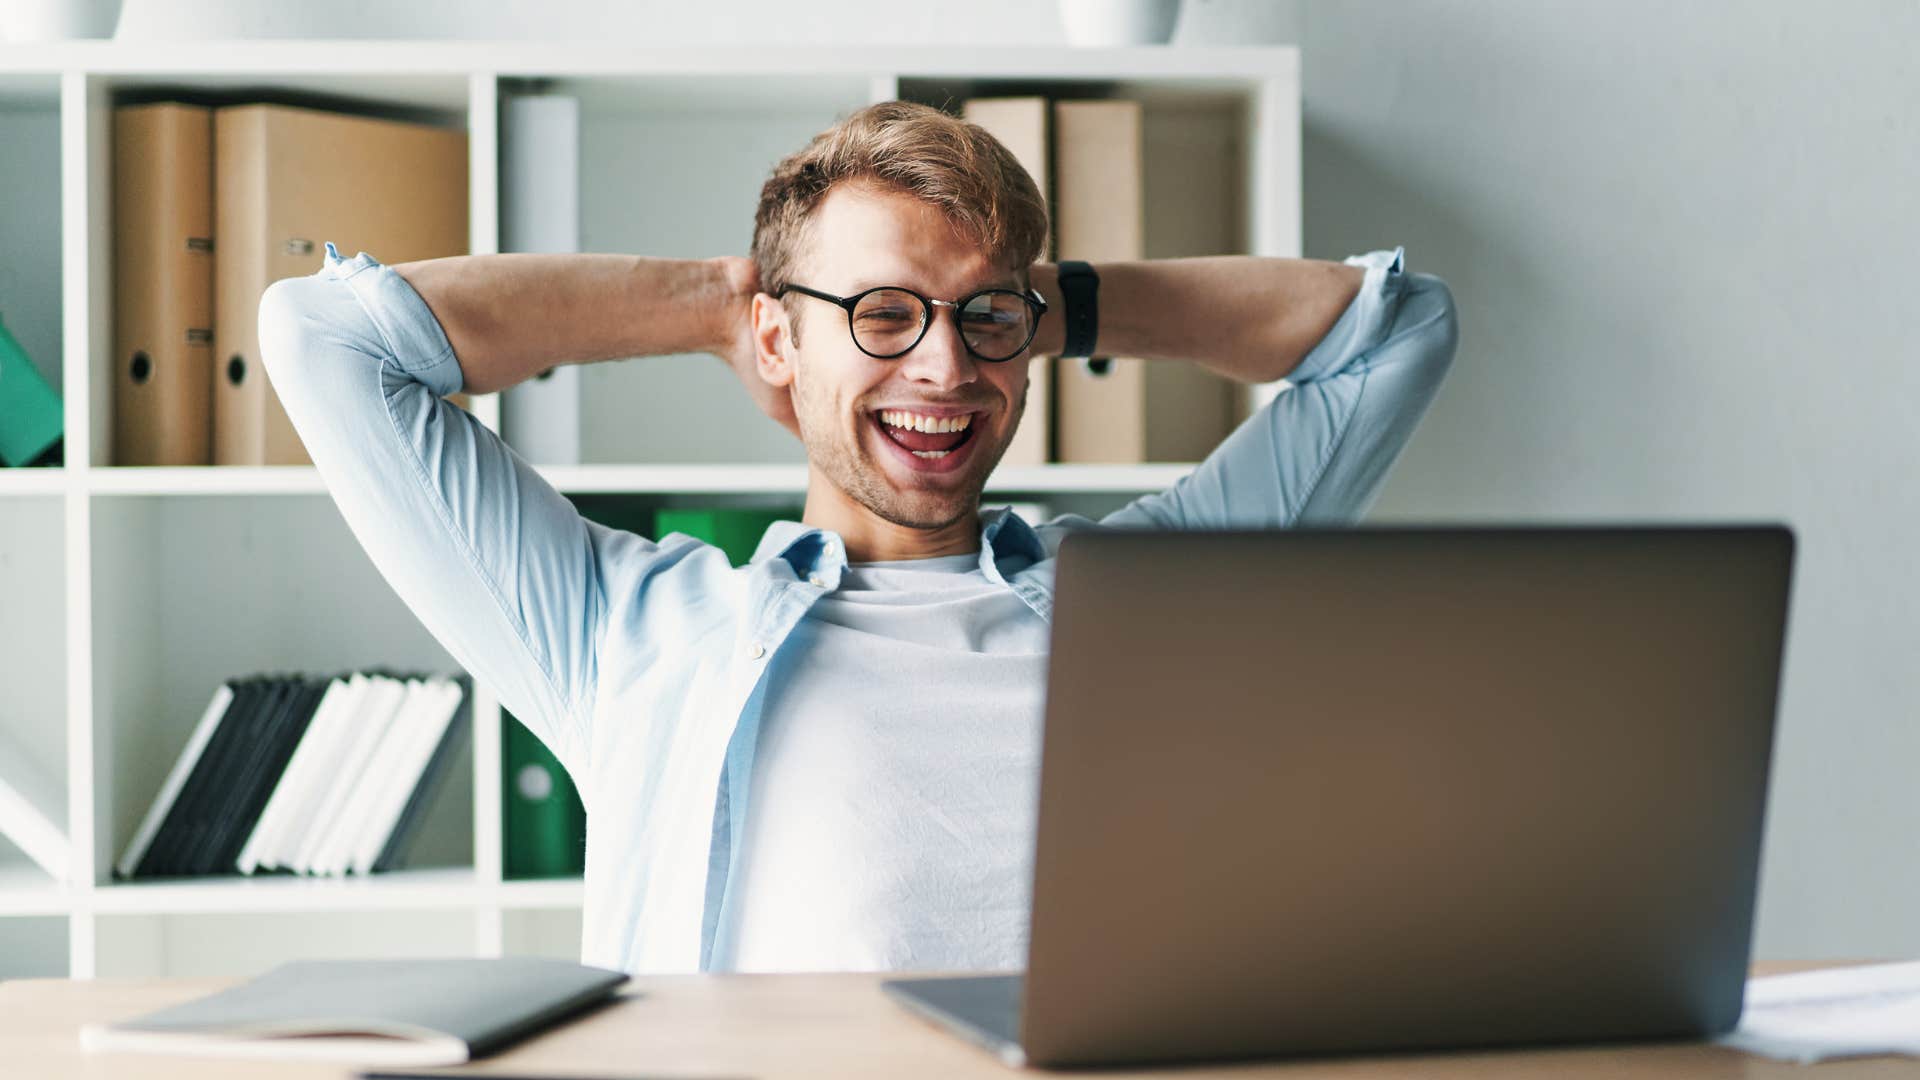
column 773, row 340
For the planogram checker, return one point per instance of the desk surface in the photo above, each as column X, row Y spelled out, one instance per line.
column 771, row 1026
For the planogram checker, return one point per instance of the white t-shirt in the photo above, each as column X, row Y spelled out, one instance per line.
column 890, row 822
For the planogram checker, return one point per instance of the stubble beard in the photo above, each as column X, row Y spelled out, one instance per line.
column 847, row 467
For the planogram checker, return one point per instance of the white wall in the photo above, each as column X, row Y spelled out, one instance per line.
column 1679, row 237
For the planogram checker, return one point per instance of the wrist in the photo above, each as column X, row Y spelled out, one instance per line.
column 1051, row 336
column 724, row 295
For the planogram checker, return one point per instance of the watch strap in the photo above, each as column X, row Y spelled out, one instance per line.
column 1080, row 288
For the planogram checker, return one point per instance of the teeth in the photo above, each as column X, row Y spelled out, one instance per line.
column 936, row 455
column 900, row 418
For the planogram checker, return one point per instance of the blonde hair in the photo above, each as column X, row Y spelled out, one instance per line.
column 920, row 151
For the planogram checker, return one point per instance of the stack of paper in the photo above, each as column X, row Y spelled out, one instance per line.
column 1840, row 1012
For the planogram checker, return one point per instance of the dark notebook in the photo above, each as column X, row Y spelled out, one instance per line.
column 368, row 1012
column 237, row 730
column 163, row 857
column 254, row 777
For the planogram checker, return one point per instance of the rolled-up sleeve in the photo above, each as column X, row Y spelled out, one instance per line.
column 499, row 566
column 1319, row 451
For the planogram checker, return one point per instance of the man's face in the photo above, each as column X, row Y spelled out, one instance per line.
column 861, row 237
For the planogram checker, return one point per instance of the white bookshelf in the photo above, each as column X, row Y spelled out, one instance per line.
column 127, row 594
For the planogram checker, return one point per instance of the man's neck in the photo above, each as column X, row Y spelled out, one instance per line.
column 872, row 538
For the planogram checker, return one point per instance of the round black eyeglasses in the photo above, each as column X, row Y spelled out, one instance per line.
column 887, row 321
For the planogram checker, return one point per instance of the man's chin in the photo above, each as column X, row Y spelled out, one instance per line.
column 920, row 507
column 921, row 521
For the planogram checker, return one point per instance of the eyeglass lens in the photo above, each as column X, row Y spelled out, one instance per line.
column 995, row 324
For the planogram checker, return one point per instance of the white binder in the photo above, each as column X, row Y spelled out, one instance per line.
column 540, row 213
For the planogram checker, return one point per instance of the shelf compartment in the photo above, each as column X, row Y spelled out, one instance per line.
column 1199, row 153
column 248, row 587
column 437, row 100
column 672, row 166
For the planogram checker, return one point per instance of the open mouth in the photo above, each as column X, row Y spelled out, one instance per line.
column 928, row 444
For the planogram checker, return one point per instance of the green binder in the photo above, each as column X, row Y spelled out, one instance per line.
column 30, row 420
column 544, row 826
column 735, row 531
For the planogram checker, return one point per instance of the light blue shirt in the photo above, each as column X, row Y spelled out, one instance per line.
column 641, row 663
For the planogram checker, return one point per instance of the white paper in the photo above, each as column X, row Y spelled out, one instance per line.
column 1810, row 1016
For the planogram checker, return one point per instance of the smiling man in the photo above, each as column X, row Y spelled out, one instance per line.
column 826, row 759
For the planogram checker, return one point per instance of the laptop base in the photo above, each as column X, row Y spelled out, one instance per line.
column 984, row 1010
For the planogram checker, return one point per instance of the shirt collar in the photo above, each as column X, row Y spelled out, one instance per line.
column 1008, row 545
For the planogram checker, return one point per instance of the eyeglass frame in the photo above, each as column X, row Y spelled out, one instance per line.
column 1036, row 304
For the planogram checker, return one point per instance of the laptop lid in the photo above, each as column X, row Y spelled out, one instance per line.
column 1332, row 790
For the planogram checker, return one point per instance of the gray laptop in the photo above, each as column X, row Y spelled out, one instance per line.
column 1318, row 792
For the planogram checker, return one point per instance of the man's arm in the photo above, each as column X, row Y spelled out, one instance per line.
column 511, row 317
column 498, row 566
column 1318, row 452
column 1249, row 319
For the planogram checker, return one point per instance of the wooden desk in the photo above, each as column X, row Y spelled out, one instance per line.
column 771, row 1026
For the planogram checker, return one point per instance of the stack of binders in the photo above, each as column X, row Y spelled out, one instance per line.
column 212, row 205
column 322, row 776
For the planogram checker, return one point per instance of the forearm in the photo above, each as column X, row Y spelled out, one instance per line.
column 510, row 317
column 1248, row 318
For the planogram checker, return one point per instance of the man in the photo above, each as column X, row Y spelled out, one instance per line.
column 826, row 759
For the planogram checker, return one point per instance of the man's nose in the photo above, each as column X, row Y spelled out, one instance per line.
column 941, row 357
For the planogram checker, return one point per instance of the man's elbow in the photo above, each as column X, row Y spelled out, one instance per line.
column 310, row 327
column 285, row 324
column 1433, row 324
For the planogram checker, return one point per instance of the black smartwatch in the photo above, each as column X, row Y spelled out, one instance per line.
column 1080, row 287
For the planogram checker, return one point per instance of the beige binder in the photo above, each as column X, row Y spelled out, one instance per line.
column 1121, row 410
column 162, row 284
column 287, row 180
column 1020, row 123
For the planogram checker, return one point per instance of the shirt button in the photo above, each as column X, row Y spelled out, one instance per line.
column 757, row 651
column 818, row 580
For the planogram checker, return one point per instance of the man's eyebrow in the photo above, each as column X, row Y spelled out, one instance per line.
column 860, row 285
